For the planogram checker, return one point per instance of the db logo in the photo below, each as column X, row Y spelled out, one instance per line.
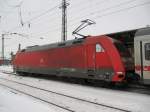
column 41, row 60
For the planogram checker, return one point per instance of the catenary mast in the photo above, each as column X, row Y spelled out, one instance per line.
column 64, row 21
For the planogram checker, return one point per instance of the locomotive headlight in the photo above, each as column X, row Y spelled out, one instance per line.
column 120, row 74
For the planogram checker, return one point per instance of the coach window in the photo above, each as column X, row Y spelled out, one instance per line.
column 99, row 48
column 147, row 51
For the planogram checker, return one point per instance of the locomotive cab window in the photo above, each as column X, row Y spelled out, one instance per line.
column 99, row 48
column 147, row 51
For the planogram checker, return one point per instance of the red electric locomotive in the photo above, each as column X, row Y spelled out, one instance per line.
column 93, row 57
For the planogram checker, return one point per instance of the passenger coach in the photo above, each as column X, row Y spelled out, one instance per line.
column 142, row 54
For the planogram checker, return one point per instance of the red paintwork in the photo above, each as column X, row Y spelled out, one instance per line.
column 76, row 56
column 108, row 59
column 137, row 67
column 53, row 58
column 145, row 68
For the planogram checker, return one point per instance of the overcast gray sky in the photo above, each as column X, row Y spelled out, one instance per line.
column 44, row 17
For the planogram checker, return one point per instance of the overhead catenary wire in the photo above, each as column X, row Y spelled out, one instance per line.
column 113, row 7
column 96, row 16
column 106, row 9
column 38, row 16
column 113, row 12
column 86, row 4
column 123, row 9
column 122, row 3
column 50, row 19
column 103, row 10
column 37, row 36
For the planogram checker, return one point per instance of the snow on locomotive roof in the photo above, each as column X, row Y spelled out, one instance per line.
column 143, row 31
column 54, row 45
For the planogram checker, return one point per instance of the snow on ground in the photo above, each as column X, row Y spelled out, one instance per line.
column 125, row 100
column 10, row 101
column 6, row 68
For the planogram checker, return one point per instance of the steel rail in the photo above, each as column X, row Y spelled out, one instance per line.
column 37, row 98
column 91, row 102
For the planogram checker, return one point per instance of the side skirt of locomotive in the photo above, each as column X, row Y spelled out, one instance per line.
column 104, row 74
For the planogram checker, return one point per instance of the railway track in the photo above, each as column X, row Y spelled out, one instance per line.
column 138, row 89
column 130, row 88
column 37, row 98
column 75, row 105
